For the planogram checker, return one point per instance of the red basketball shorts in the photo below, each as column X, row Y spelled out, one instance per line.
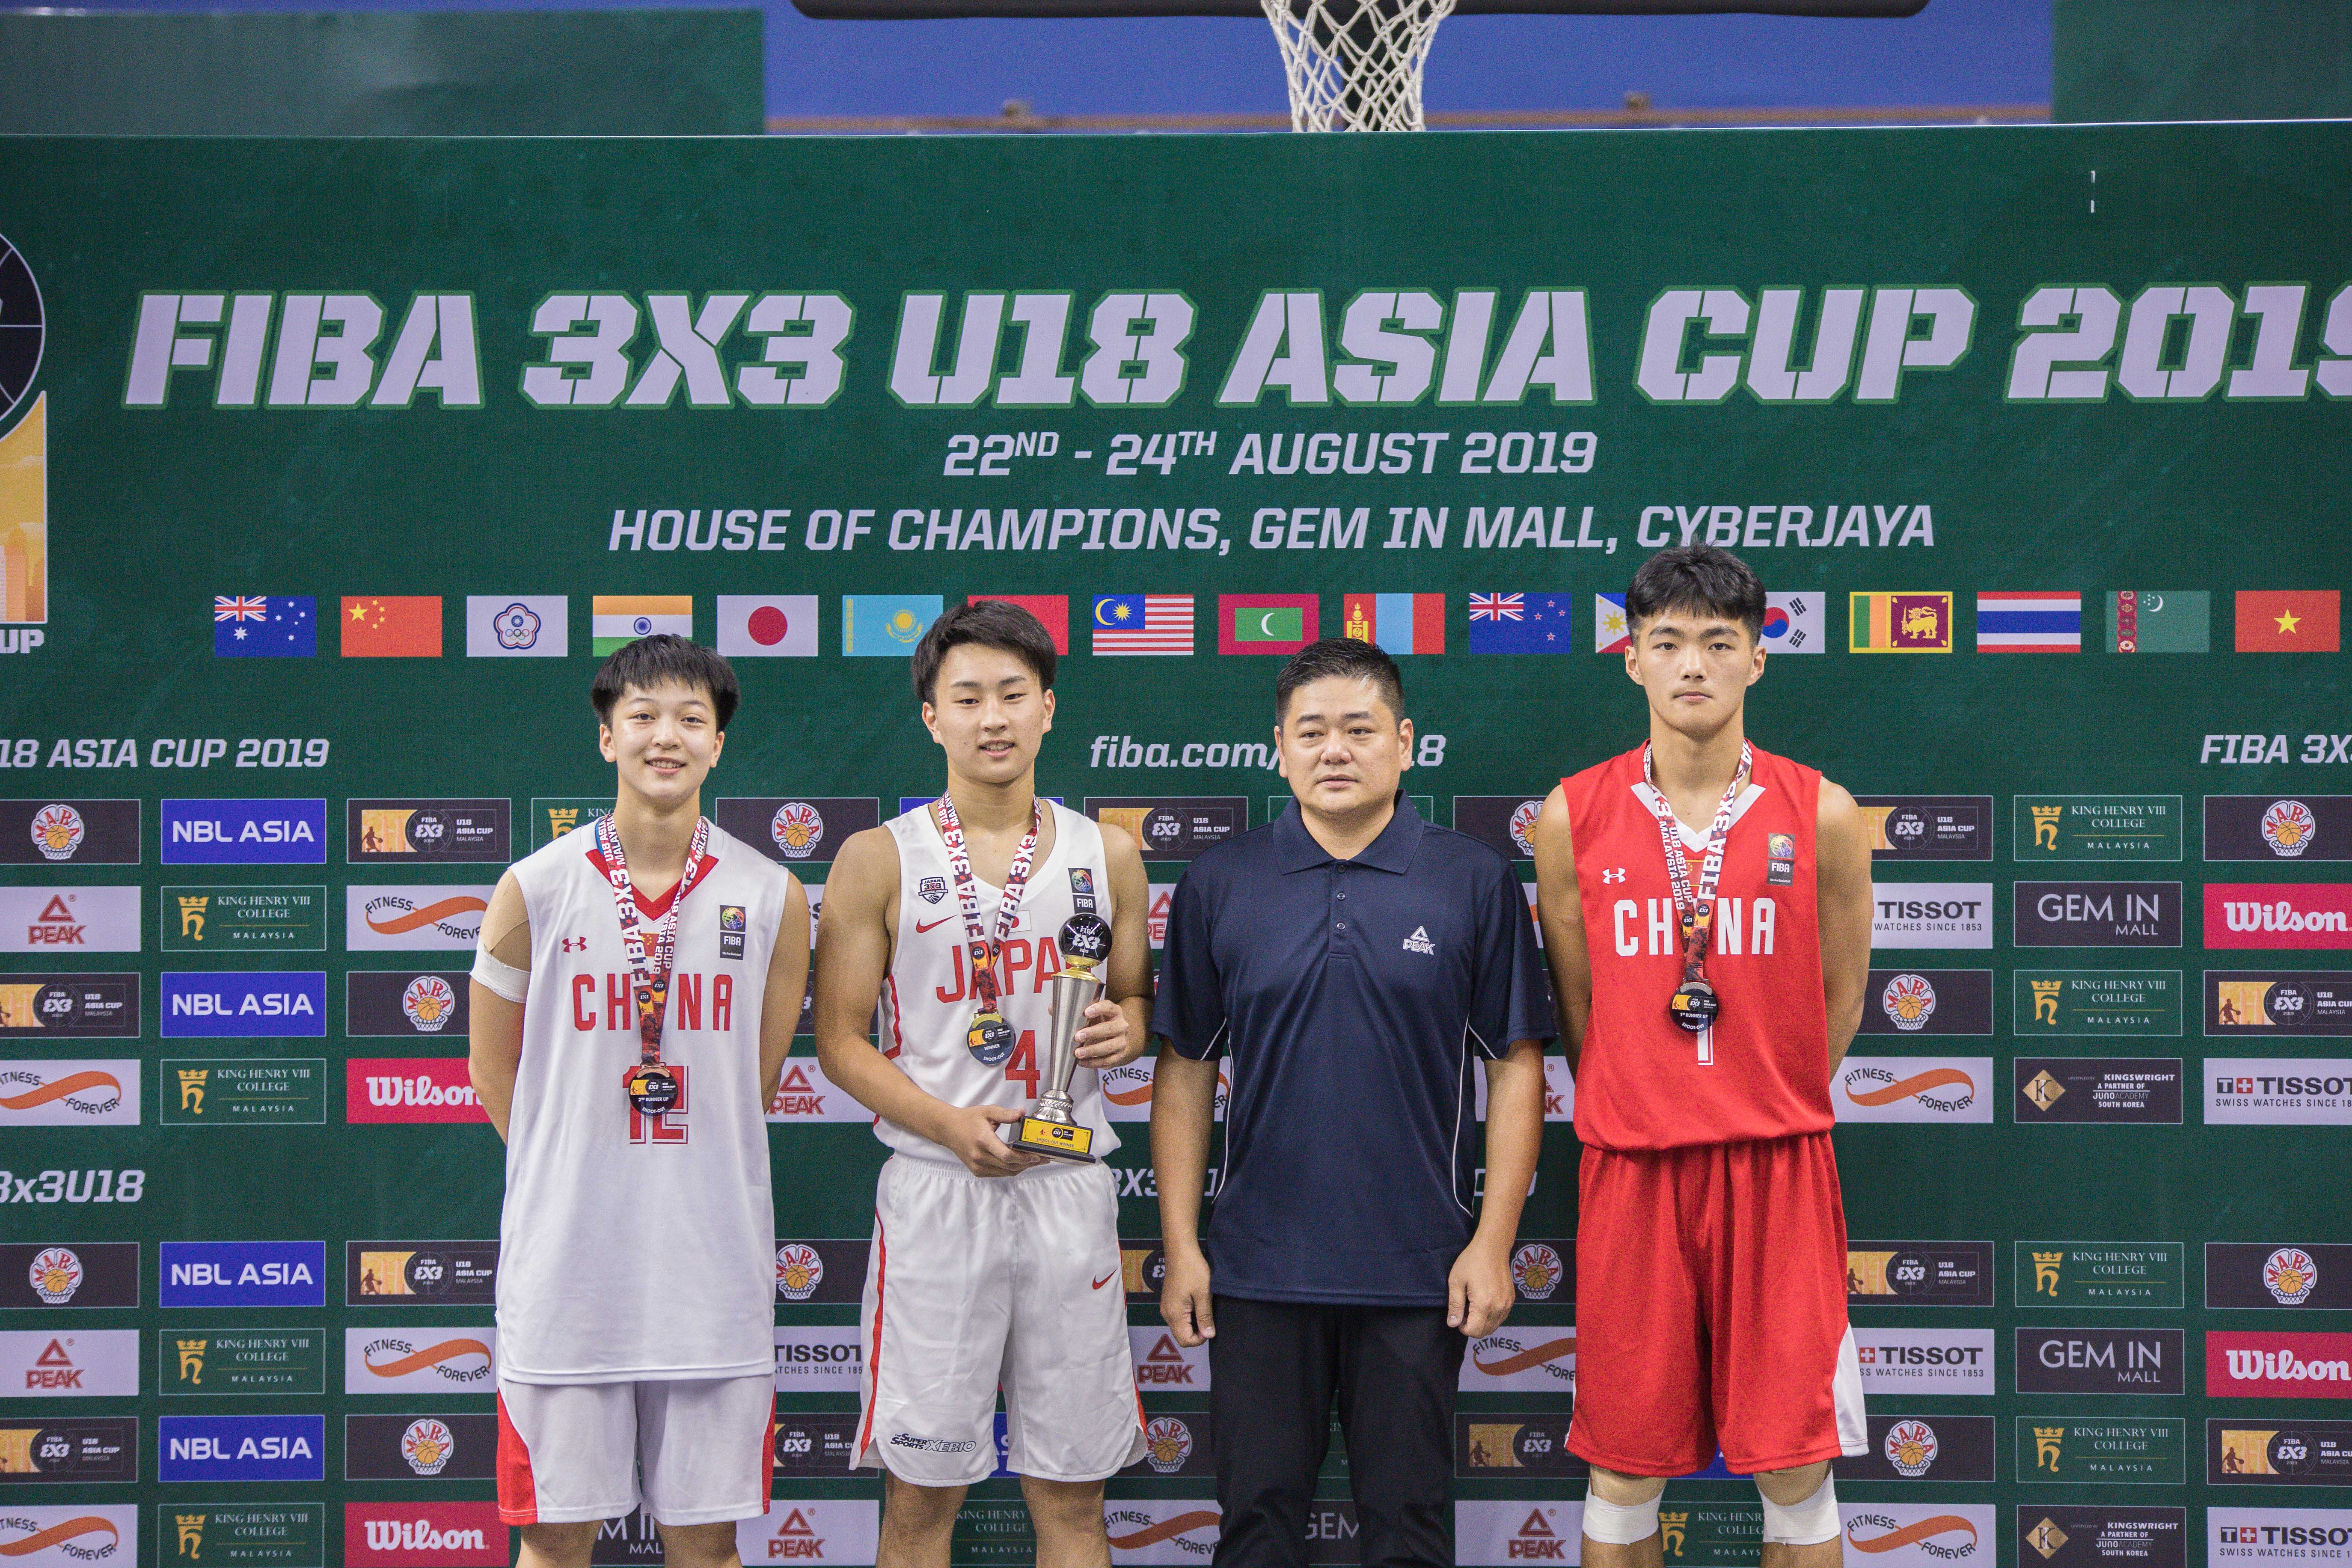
column 1710, row 1310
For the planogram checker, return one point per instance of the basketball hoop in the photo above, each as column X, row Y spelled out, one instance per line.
column 1355, row 64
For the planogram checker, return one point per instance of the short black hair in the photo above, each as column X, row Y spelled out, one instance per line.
column 1697, row 577
column 984, row 622
column 1348, row 659
column 662, row 659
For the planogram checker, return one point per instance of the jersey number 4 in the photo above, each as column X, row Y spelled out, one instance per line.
column 1021, row 1066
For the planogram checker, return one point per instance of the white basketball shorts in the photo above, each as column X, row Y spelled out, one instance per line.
column 977, row 1283
column 570, row 1452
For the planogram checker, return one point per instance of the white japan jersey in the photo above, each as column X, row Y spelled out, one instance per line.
column 635, row 1249
column 927, row 1001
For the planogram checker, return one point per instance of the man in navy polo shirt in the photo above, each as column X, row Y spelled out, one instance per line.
column 1348, row 961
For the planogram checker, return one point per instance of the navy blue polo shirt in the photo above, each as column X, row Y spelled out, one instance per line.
column 1351, row 1000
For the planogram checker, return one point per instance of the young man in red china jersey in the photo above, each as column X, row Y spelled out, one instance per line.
column 1706, row 908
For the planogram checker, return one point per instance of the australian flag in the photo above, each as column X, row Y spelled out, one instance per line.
column 265, row 628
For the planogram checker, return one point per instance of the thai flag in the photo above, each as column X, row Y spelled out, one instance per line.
column 2029, row 623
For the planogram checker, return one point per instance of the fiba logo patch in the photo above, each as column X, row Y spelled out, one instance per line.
column 1909, row 1001
column 2288, row 828
column 797, row 828
column 799, row 1269
column 2289, row 1275
column 428, row 1001
column 427, row 1446
column 1911, row 1448
column 1523, row 824
column 58, row 831
column 1780, row 859
column 1536, row 1270
column 55, row 1275
column 1166, row 1444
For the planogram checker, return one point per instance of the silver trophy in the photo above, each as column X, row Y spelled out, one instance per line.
column 1049, row 1129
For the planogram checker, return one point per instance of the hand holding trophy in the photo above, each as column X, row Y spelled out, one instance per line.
column 1050, row 1130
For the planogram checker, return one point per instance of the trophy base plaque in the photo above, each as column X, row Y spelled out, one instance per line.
column 1056, row 1140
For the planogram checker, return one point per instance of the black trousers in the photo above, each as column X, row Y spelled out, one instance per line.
column 1274, row 1368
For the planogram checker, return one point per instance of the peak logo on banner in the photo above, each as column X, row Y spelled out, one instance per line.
column 70, row 1535
column 755, row 626
column 89, row 920
column 409, row 1089
column 808, row 1530
column 450, row 1358
column 1162, row 1364
column 243, row 1274
column 511, row 625
column 240, row 1448
column 1508, row 1533
column 78, row 1094
column 80, row 1364
column 234, row 1004
column 423, row 1535
column 805, row 1094
column 2262, row 1363
column 1915, row 1089
column 244, row 832
column 2278, row 915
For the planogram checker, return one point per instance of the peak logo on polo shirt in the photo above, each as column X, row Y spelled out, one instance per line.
column 1419, row 942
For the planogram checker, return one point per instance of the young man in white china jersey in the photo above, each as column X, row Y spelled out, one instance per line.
column 633, row 997
column 990, row 1267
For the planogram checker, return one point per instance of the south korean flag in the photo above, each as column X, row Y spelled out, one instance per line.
column 1792, row 622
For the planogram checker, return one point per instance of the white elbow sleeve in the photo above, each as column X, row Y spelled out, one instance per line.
column 505, row 979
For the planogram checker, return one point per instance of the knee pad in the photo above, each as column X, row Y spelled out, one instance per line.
column 1620, row 1523
column 1805, row 1523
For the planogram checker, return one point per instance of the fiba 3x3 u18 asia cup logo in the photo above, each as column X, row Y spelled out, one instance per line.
column 23, row 459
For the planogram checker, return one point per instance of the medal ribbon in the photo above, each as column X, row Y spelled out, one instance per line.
column 1696, row 910
column 985, row 948
column 650, row 984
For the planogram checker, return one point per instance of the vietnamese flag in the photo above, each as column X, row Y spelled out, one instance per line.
column 2294, row 621
column 392, row 627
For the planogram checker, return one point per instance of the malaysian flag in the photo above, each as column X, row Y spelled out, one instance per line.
column 1143, row 623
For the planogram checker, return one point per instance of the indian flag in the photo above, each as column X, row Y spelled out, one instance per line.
column 618, row 619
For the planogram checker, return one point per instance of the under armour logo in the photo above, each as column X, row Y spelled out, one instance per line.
column 1613, row 874
column 575, row 944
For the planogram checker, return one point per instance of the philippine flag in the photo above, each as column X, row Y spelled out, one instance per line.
column 2029, row 623
column 1792, row 622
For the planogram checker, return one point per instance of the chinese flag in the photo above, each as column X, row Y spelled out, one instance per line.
column 395, row 627
column 2300, row 621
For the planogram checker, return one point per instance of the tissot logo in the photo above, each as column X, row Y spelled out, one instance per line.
column 2285, row 1091
column 1925, row 1361
column 2252, row 1535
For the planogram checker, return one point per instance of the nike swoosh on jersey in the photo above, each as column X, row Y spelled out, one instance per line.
column 920, row 927
column 1106, row 1279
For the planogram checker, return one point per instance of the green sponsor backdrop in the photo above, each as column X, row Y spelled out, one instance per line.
column 1652, row 284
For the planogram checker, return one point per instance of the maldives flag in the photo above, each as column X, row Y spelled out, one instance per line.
column 392, row 627
column 1265, row 622
column 2294, row 621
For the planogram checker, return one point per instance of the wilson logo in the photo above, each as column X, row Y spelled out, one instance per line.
column 2280, row 916
column 2286, row 1366
column 420, row 1535
column 418, row 1090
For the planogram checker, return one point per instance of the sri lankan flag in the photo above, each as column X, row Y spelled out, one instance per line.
column 1900, row 623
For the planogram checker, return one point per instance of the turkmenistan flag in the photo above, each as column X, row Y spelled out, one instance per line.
column 617, row 620
column 2159, row 620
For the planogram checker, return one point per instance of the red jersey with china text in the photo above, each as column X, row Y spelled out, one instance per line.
column 1761, row 1070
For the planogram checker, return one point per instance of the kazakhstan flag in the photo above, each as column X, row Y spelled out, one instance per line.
column 885, row 625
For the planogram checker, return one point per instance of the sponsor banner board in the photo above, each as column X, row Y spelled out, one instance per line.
column 446, row 1358
column 437, row 1446
column 815, row 1442
column 819, row 1359
column 212, row 1360
column 423, row 1535
column 2081, row 1360
column 48, row 1006
column 1924, row 1361
column 1913, row 1448
column 244, row 832
column 554, row 815
column 2271, row 1276
column 85, row 1092
column 2278, row 1091
column 412, row 832
column 381, row 917
column 2091, row 828
column 420, row 1273
column 1175, row 1443
column 1173, row 826
column 240, row 1447
column 2095, row 914
column 1915, row 1089
column 2100, row 1273
column 1919, row 1273
column 1928, row 1002
column 2278, row 915
column 2096, row 1002
column 1161, row 1530
column 1503, row 1534
column 241, row 1273
column 1509, row 1445
column 1921, row 1535
column 2253, row 1535
column 241, row 1535
column 405, row 1003
column 2273, row 1450
column 241, row 1091
column 2112, row 1535
column 2117, row 1450
column 70, row 1535
column 44, row 1275
column 69, row 919
column 2273, row 827
column 1520, row 1358
column 2270, row 1363
column 409, row 1089
column 805, row 1094
column 793, row 830
column 825, row 1271
column 1931, row 915
column 52, row 832
column 1928, row 827
column 219, row 917
column 2278, row 1003
column 245, row 1004
column 810, row 1530
column 1504, row 822
column 2110, row 1090
column 68, row 1449
column 1164, row 1366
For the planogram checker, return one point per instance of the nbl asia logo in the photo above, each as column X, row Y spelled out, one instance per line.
column 1911, row 1448
column 56, row 832
column 428, row 1001
column 57, row 1274
column 797, row 828
column 1537, row 1269
column 2290, row 1276
column 1909, row 1001
column 799, row 1269
column 2288, row 828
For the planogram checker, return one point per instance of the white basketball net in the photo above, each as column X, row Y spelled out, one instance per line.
column 1355, row 64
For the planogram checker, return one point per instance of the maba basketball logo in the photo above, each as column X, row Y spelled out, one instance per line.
column 427, row 1446
column 1909, row 1001
column 1166, row 1444
column 2288, row 828
column 2290, row 1276
column 1523, row 824
column 1911, row 1448
column 798, row 829
column 1537, row 1269
column 428, row 1001
column 57, row 1275
column 58, row 831
column 799, row 1269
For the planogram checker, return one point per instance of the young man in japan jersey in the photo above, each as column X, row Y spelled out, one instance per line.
column 991, row 1268
column 633, row 997
column 1705, row 909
